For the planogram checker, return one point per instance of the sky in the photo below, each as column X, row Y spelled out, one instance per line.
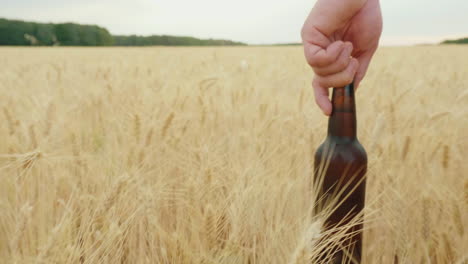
column 406, row 22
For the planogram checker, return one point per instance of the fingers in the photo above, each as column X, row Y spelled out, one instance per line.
column 339, row 64
column 333, row 67
column 339, row 79
column 316, row 56
column 321, row 84
column 321, row 97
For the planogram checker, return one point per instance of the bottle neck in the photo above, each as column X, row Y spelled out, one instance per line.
column 342, row 122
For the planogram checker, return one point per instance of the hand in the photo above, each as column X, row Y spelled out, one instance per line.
column 340, row 38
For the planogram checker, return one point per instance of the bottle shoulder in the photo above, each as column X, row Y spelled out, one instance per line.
column 342, row 148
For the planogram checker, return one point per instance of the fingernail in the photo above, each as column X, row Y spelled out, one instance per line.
column 326, row 110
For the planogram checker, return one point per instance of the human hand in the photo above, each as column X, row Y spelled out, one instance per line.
column 340, row 37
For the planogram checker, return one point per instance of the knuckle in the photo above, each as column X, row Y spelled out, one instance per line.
column 343, row 63
column 320, row 59
column 327, row 59
column 303, row 33
column 314, row 63
column 311, row 60
column 316, row 83
column 317, row 71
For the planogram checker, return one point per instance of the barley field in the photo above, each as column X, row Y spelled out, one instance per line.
column 204, row 155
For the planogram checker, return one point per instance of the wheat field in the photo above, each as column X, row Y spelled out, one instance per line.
column 204, row 155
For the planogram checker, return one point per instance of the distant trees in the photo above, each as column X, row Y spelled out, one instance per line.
column 45, row 34
column 456, row 41
column 70, row 34
column 16, row 32
column 165, row 40
column 13, row 32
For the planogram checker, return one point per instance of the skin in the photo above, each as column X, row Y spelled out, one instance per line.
column 340, row 37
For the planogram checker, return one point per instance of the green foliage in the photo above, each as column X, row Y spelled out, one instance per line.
column 456, row 41
column 70, row 34
column 12, row 32
column 45, row 34
column 67, row 34
column 15, row 32
column 164, row 40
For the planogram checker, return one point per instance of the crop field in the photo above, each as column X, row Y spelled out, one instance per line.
column 204, row 155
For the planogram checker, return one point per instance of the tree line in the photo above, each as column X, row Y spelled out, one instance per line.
column 22, row 33
column 164, row 40
column 456, row 41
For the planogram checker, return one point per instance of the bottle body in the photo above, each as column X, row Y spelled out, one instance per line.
column 340, row 167
column 342, row 184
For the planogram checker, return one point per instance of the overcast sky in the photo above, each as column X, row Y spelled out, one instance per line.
column 252, row 21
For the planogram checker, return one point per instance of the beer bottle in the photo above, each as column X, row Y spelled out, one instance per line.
column 340, row 167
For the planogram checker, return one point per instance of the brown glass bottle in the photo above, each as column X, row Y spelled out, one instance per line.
column 340, row 167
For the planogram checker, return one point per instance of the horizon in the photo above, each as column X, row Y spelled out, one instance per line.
column 416, row 40
column 269, row 24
